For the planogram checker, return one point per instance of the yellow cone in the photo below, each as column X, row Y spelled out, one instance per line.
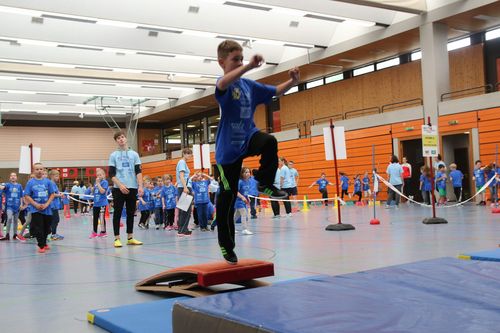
column 305, row 207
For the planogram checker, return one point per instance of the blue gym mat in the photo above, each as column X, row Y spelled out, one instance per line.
column 148, row 317
column 440, row 295
column 493, row 255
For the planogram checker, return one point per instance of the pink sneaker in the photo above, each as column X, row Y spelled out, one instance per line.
column 93, row 235
column 103, row 235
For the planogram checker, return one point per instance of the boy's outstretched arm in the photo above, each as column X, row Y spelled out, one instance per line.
column 256, row 61
column 294, row 79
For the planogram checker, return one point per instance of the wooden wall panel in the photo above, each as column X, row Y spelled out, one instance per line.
column 399, row 130
column 149, row 141
column 489, row 134
column 58, row 143
column 457, row 122
column 374, row 89
column 466, row 67
column 260, row 116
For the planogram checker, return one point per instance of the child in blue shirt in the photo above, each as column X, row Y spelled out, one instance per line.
column 200, row 183
column 39, row 193
column 144, row 204
column 344, row 184
column 456, row 177
column 479, row 180
column 322, row 183
column 157, row 196
column 366, row 186
column 357, row 187
column 169, row 201
column 13, row 192
column 55, row 205
column 425, row 184
column 238, row 137
column 100, row 202
column 441, row 183
column 241, row 203
column 490, row 172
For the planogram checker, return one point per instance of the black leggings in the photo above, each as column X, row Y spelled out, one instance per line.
column 96, row 212
column 324, row 195
column 40, row 228
column 359, row 194
column 170, row 214
column 120, row 199
column 458, row 192
column 144, row 216
column 260, row 144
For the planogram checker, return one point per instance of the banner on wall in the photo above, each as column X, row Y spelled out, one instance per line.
column 69, row 173
column 201, row 156
column 90, row 172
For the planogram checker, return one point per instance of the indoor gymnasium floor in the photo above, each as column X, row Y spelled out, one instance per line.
column 54, row 291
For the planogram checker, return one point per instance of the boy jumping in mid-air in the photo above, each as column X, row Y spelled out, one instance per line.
column 238, row 137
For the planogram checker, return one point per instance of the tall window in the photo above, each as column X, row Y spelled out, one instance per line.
column 213, row 122
column 194, row 133
column 172, row 137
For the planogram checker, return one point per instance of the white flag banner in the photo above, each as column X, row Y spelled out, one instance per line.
column 340, row 147
column 25, row 162
column 201, row 158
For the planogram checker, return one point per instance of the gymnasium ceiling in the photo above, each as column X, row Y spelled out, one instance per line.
column 64, row 60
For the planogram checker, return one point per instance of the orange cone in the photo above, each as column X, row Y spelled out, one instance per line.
column 67, row 213
column 263, row 204
column 106, row 212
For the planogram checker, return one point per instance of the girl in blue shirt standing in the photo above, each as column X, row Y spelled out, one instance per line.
column 100, row 203
column 169, row 196
column 200, row 183
column 425, row 184
column 184, row 186
column 357, row 187
column 241, row 203
column 366, row 186
column 479, row 181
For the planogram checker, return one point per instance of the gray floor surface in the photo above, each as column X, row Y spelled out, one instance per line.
column 54, row 291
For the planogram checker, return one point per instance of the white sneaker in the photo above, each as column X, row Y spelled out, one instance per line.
column 289, row 214
column 276, row 217
column 387, row 207
column 246, row 232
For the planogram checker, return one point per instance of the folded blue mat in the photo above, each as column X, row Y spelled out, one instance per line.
column 493, row 255
column 440, row 295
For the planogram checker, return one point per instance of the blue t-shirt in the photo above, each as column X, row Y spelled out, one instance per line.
column 125, row 161
column 490, row 175
column 440, row 184
column 357, row 185
column 456, row 178
column 200, row 190
column 236, row 126
column 394, row 170
column 157, row 194
column 293, row 175
column 182, row 166
column 88, row 194
column 146, row 197
column 243, row 189
column 100, row 199
column 277, row 179
column 366, row 183
column 254, row 185
column 13, row 194
column 169, row 193
column 285, row 173
column 426, row 183
column 322, row 183
column 479, row 177
column 56, row 202
column 65, row 199
column 344, row 182
column 39, row 190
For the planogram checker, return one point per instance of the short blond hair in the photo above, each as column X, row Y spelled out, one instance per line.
column 453, row 166
column 227, row 47
column 53, row 172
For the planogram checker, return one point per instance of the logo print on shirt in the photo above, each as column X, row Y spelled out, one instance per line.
column 236, row 93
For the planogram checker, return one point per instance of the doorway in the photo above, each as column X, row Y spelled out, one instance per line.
column 412, row 150
column 456, row 149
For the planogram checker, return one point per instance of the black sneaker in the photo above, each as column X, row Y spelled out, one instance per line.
column 5, row 238
column 272, row 191
column 229, row 256
column 187, row 233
